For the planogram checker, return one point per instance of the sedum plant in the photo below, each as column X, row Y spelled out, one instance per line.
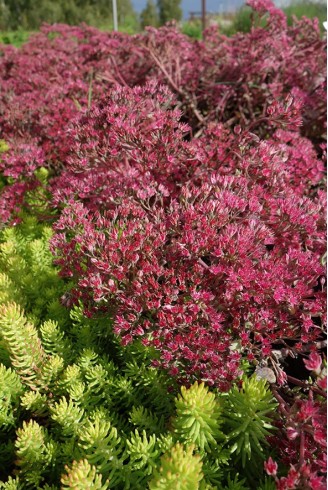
column 267, row 63
column 61, row 428
column 179, row 470
column 11, row 391
column 198, row 416
column 82, row 476
column 26, row 268
column 248, row 414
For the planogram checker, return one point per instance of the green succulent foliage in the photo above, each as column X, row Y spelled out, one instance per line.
column 102, row 446
column 247, row 415
column 26, row 268
column 198, row 417
column 37, row 200
column 165, row 441
column 98, row 380
column 268, row 484
column 8, row 290
column 123, row 393
column 20, row 339
column 143, row 418
column 215, row 469
column 68, row 415
column 7, row 453
column 142, row 451
column 150, row 384
column 51, row 371
column 180, row 470
column 82, row 401
column 235, row 484
column 85, row 331
column 71, row 383
column 3, row 146
column 83, row 476
column 35, row 403
column 54, row 340
column 11, row 390
column 36, row 453
column 11, row 484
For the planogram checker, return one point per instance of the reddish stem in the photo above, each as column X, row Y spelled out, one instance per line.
column 302, row 448
column 303, row 384
column 282, row 403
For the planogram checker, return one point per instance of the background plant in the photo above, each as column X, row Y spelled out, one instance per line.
column 23, row 14
column 254, row 70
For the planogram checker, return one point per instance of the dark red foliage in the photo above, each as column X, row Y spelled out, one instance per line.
column 44, row 85
column 209, row 250
column 235, row 79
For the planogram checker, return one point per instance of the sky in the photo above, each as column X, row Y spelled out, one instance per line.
column 195, row 5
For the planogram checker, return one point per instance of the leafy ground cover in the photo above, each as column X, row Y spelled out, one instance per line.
column 162, row 260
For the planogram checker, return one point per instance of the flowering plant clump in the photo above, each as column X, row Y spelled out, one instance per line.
column 236, row 81
column 184, row 183
column 194, row 247
column 186, row 252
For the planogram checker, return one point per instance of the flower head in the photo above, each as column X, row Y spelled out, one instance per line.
column 271, row 467
column 313, row 363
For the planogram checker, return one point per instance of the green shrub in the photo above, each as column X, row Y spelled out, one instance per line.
column 16, row 38
column 301, row 8
column 192, row 29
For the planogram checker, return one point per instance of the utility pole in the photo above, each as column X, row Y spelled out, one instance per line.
column 204, row 14
column 115, row 15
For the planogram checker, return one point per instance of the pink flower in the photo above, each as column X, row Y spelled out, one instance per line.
column 307, row 410
column 317, row 483
column 292, row 477
column 322, row 383
column 313, row 363
column 320, row 437
column 292, row 433
column 281, row 377
column 271, row 467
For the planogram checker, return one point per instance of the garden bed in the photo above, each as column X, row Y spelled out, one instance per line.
column 162, row 260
